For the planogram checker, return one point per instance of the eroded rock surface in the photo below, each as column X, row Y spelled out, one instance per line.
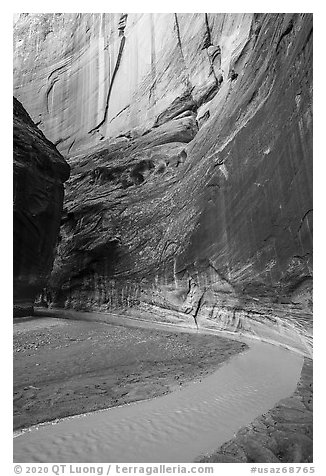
column 190, row 142
column 39, row 173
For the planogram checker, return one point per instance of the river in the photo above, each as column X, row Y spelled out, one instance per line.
column 177, row 427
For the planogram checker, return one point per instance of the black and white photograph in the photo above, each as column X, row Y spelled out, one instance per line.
column 162, row 242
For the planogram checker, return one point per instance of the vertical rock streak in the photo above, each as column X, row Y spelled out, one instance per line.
column 177, row 28
column 116, row 67
column 196, row 166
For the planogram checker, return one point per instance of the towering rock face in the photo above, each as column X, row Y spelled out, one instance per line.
column 88, row 77
column 39, row 173
column 190, row 142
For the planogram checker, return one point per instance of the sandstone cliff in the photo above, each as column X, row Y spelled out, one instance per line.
column 39, row 172
column 190, row 142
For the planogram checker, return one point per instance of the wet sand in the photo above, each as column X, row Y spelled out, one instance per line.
column 175, row 427
column 66, row 367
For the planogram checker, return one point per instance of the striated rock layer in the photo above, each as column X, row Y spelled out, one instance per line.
column 190, row 142
column 39, row 173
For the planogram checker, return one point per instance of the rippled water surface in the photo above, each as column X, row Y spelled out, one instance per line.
column 174, row 428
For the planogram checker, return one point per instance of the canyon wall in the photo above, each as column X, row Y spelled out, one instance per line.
column 189, row 138
column 39, row 173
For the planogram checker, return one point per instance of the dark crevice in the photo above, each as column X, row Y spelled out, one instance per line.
column 49, row 89
column 60, row 140
column 71, row 145
column 285, row 33
column 208, row 36
column 178, row 34
column 117, row 64
column 189, row 87
column 198, row 308
column 120, row 112
column 303, row 218
column 56, row 70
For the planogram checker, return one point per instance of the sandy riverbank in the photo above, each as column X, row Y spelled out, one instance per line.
column 66, row 367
